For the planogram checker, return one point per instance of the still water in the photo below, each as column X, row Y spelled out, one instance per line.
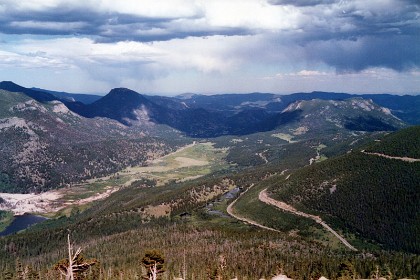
column 22, row 222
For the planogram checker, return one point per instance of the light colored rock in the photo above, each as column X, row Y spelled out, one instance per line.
column 281, row 277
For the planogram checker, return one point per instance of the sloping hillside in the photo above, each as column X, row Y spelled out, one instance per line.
column 45, row 145
column 372, row 195
column 405, row 143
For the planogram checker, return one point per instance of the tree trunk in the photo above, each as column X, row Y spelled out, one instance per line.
column 69, row 275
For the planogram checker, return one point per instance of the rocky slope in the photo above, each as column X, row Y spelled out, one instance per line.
column 45, row 145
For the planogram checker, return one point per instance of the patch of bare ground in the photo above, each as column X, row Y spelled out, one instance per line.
column 97, row 196
column 31, row 203
column 158, row 210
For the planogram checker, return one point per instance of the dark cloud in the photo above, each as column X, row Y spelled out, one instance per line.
column 107, row 27
column 355, row 39
column 348, row 35
column 91, row 23
column 395, row 52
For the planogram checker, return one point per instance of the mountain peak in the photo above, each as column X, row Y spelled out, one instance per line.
column 125, row 95
column 122, row 90
column 120, row 104
column 10, row 86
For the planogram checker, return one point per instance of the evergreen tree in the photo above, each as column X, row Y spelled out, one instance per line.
column 153, row 261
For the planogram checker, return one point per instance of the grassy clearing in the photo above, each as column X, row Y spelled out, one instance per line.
column 190, row 162
column 320, row 157
column 6, row 218
column 285, row 137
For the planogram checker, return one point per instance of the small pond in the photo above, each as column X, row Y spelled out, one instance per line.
column 22, row 222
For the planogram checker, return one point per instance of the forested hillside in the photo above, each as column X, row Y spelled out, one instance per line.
column 196, row 243
column 405, row 143
column 372, row 195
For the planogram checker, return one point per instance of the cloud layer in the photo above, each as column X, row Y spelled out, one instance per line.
column 142, row 42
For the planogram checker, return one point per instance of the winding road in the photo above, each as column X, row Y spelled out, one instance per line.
column 263, row 196
column 245, row 220
column 407, row 159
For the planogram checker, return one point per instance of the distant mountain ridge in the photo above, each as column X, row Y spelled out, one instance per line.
column 217, row 115
column 37, row 95
column 84, row 98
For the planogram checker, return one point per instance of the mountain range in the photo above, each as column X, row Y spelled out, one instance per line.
column 38, row 127
column 216, row 115
column 352, row 160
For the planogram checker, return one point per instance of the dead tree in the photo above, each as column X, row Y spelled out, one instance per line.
column 75, row 264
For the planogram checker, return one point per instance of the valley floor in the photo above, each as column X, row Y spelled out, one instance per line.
column 189, row 162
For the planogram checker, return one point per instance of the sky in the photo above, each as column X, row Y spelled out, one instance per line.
column 170, row 47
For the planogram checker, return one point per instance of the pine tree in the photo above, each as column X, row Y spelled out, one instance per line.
column 154, row 262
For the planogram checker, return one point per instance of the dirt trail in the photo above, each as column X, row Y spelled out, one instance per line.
column 262, row 156
column 407, row 159
column 245, row 220
column 283, row 206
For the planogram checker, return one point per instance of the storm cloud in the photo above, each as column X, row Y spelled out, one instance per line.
column 273, row 35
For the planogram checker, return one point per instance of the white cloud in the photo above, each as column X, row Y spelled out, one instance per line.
column 215, row 44
column 31, row 61
column 207, row 55
column 250, row 14
column 48, row 25
column 302, row 73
